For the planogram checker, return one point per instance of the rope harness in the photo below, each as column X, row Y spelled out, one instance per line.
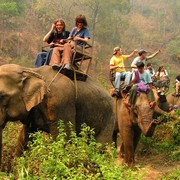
column 75, row 80
column 55, row 76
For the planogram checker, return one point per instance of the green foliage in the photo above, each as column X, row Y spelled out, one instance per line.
column 166, row 139
column 174, row 175
column 9, row 8
column 178, row 112
column 78, row 158
column 172, row 47
column 10, row 136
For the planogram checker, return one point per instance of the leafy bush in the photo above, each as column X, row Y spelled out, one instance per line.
column 166, row 139
column 175, row 174
column 78, row 158
column 178, row 112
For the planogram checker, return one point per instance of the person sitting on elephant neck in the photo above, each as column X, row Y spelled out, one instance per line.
column 177, row 86
column 117, row 63
column 79, row 35
column 142, row 83
column 55, row 37
column 143, row 57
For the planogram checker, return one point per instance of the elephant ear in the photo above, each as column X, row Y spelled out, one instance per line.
column 33, row 89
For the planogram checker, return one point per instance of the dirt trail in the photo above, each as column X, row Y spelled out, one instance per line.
column 156, row 166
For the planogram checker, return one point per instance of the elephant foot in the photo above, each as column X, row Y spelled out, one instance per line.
column 121, row 155
column 121, row 160
column 124, row 163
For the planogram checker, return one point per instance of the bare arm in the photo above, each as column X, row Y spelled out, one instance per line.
column 150, row 85
column 76, row 38
column 46, row 37
column 134, row 79
column 132, row 54
column 133, row 66
column 114, row 67
column 153, row 55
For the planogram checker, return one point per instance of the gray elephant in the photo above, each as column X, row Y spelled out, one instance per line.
column 39, row 100
column 132, row 121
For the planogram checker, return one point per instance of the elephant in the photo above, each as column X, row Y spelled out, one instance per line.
column 174, row 100
column 134, row 121
column 40, row 97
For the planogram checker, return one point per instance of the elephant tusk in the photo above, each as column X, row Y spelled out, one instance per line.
column 156, row 121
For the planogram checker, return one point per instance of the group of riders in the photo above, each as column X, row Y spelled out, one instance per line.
column 141, row 79
column 62, row 46
column 62, row 43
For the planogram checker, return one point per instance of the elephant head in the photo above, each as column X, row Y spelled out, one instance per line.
column 142, row 114
column 20, row 90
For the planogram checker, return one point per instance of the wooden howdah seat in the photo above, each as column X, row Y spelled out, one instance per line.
column 81, row 60
column 112, row 74
column 164, row 87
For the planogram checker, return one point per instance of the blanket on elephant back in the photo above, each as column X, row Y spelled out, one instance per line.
column 141, row 86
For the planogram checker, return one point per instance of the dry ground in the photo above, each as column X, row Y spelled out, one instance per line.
column 157, row 166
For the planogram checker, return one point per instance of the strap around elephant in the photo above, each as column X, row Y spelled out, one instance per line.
column 55, row 77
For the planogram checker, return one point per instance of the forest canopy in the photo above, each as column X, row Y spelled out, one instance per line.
column 130, row 24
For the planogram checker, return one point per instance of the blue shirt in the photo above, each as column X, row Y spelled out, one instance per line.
column 83, row 33
column 145, row 78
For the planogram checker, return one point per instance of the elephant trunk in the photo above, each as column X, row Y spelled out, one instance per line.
column 171, row 114
column 158, row 110
column 147, row 126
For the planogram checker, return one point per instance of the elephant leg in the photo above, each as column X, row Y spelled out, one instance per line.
column 22, row 140
column 122, row 150
column 114, row 137
column 70, row 118
column 53, row 129
column 137, row 135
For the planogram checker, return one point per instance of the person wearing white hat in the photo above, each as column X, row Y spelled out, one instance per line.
column 117, row 63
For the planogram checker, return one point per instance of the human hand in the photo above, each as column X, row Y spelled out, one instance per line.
column 52, row 44
column 136, row 50
column 159, row 51
column 63, row 41
column 53, row 27
column 119, row 66
column 76, row 38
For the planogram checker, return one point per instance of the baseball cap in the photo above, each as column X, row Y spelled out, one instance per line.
column 115, row 50
column 141, row 52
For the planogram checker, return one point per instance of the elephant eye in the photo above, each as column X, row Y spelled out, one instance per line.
column 135, row 110
column 1, row 96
